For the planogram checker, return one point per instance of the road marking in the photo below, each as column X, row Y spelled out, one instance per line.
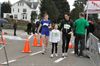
column 36, row 53
column 30, row 36
column 58, row 60
column 9, row 62
column 13, row 37
column 72, row 52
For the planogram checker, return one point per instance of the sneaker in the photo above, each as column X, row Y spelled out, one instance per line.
column 63, row 55
column 66, row 54
column 56, row 55
column 51, row 56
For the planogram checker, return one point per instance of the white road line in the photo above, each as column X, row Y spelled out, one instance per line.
column 35, row 53
column 9, row 62
column 13, row 37
column 30, row 36
column 58, row 60
column 72, row 52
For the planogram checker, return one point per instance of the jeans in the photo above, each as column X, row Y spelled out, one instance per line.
column 79, row 39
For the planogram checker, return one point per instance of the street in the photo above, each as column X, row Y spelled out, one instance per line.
column 16, row 57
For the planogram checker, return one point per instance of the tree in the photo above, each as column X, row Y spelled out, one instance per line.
column 49, row 7
column 5, row 8
column 33, row 16
column 79, row 7
column 63, row 7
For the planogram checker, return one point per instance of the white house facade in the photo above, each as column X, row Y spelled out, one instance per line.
column 22, row 9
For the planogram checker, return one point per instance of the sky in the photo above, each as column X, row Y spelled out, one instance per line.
column 13, row 1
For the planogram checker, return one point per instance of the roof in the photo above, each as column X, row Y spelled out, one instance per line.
column 35, row 4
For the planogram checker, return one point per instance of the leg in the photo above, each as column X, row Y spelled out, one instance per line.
column 14, row 32
column 46, row 44
column 82, row 44
column 43, row 46
column 63, row 43
column 56, row 45
column 67, row 42
column 76, row 45
column 52, row 48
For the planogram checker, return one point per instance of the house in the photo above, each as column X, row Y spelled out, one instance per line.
column 22, row 9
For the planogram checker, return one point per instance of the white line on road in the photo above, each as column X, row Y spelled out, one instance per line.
column 72, row 52
column 58, row 60
column 35, row 53
column 9, row 62
column 30, row 36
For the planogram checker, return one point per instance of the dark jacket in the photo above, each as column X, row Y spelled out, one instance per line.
column 66, row 26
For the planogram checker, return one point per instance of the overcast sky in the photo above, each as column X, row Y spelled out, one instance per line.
column 13, row 1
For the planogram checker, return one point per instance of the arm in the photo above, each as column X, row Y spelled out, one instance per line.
column 39, row 28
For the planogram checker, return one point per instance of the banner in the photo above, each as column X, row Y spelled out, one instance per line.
column 93, row 6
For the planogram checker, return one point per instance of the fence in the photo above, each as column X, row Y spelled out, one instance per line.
column 94, row 49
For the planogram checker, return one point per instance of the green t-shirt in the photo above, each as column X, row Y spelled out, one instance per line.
column 80, row 25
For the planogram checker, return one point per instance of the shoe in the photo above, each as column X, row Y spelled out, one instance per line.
column 66, row 54
column 51, row 56
column 63, row 55
column 56, row 55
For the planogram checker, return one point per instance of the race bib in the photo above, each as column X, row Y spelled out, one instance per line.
column 66, row 26
column 45, row 24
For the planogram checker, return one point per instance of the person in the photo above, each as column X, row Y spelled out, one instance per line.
column 33, row 28
column 29, row 27
column 45, row 25
column 54, row 39
column 15, row 28
column 66, row 35
column 80, row 26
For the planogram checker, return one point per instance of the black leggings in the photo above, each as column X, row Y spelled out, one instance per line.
column 54, row 45
column 65, row 43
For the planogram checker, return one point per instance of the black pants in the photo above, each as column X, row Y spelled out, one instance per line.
column 54, row 45
column 29, row 31
column 14, row 31
column 65, row 41
column 79, row 39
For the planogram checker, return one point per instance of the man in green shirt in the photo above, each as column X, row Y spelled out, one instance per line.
column 80, row 26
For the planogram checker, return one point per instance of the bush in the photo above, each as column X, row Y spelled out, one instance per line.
column 21, row 24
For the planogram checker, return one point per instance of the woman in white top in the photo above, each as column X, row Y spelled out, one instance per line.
column 54, row 38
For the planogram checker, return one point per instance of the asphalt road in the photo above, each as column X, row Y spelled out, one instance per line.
column 15, row 46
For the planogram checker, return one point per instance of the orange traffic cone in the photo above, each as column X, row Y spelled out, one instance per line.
column 35, row 41
column 27, row 47
column 71, row 45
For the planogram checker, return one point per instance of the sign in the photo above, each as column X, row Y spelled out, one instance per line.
column 93, row 6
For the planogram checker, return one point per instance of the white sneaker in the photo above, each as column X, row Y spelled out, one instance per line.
column 56, row 55
column 63, row 55
column 66, row 54
column 51, row 56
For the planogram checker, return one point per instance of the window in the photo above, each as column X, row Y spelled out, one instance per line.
column 18, row 4
column 15, row 16
column 24, row 16
column 18, row 10
column 13, row 9
column 24, row 10
column 22, row 4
